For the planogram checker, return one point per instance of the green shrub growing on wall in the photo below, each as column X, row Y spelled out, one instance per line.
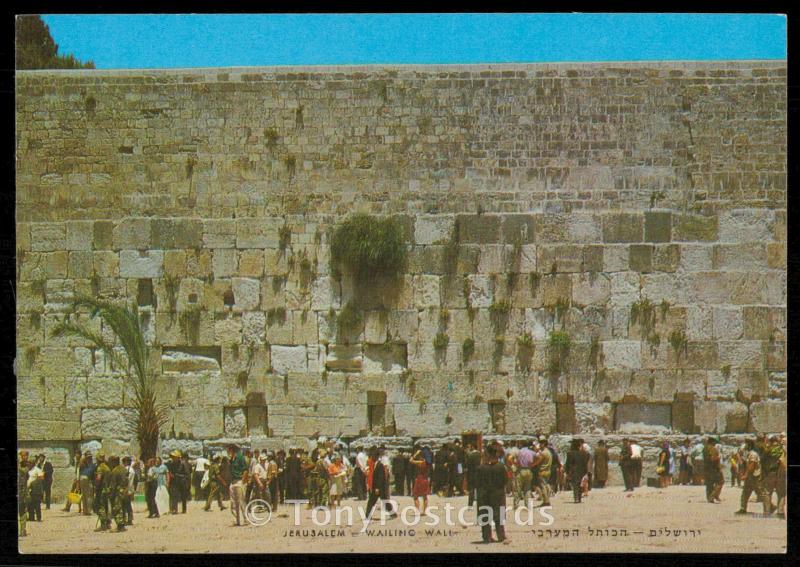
column 440, row 341
column 368, row 246
column 560, row 343
column 467, row 349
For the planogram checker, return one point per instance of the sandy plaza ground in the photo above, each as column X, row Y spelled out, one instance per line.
column 677, row 519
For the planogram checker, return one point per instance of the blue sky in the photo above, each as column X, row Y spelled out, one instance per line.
column 151, row 41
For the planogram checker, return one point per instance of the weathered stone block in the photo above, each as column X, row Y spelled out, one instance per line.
column 426, row 291
column 745, row 225
column 588, row 289
column 247, row 293
column 768, row 417
column 48, row 236
column 518, row 229
column 478, row 229
column 224, row 263
column 287, row 359
column 641, row 258
column 102, row 423
column 720, row 417
column 79, row 235
column 132, row 233
column 391, row 358
column 615, row 258
column 177, row 233
column 695, row 257
column 694, row 228
column 256, row 233
column 657, row 226
column 728, row 323
column 436, row 229
column 622, row 354
column 80, row 264
column 141, row 264
column 740, row 257
column 219, row 233
column 666, row 257
column 622, row 227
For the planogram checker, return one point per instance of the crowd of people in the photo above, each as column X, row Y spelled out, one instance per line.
column 323, row 476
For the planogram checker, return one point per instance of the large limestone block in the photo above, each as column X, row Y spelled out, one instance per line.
column 624, row 289
column 588, row 289
column 79, row 235
column 433, row 229
column 106, row 423
column 402, row 326
column 623, row 227
column 728, row 323
column 219, row 233
column 132, row 233
column 247, row 293
column 695, row 257
column 594, row 417
column 201, row 423
column 304, row 327
column 105, row 263
column 530, row 417
column 746, row 225
column 235, row 422
column 287, row 359
column 141, row 264
column 720, row 417
column 478, row 229
column 695, row 228
column 224, row 263
column 751, row 256
column 741, row 354
column 33, row 425
column 177, row 233
column 426, row 291
column 622, row 354
column 480, row 291
column 256, row 233
column 615, row 258
column 324, row 294
column 251, row 263
column 48, row 236
column 254, row 326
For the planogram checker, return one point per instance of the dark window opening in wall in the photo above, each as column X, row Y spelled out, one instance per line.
column 145, row 296
column 376, row 411
column 683, row 413
column 192, row 298
column 497, row 414
column 565, row 414
column 642, row 417
column 228, row 299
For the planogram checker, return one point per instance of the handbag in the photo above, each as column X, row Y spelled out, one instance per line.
column 74, row 497
column 661, row 470
column 206, row 479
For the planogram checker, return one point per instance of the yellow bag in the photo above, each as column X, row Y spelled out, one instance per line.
column 661, row 470
column 74, row 497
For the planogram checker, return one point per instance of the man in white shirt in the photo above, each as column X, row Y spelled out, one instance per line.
column 259, row 476
column 360, row 475
column 636, row 455
column 201, row 465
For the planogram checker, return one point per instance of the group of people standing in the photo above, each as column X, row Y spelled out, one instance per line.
column 34, row 482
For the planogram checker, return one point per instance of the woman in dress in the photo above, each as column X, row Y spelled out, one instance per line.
column 162, row 495
column 336, row 475
column 422, row 486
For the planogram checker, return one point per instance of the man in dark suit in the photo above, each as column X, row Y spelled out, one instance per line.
column 473, row 459
column 576, row 468
column 491, row 485
column 379, row 489
column 399, row 472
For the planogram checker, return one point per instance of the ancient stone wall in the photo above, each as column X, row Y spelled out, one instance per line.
column 638, row 210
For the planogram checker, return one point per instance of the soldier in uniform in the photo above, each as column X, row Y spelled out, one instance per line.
column 774, row 472
column 117, row 491
column 216, row 484
column 753, row 479
column 318, row 483
column 712, row 470
column 101, row 492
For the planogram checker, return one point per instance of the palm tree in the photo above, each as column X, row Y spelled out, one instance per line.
column 125, row 323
